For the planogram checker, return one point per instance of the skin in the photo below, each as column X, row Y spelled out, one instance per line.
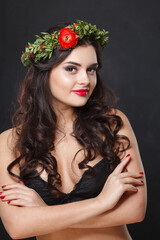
column 72, row 74
column 123, row 198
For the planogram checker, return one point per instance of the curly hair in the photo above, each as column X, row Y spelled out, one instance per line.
column 95, row 128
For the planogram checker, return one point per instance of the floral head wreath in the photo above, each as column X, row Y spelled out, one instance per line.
column 65, row 39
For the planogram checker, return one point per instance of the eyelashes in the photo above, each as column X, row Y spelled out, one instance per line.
column 73, row 69
column 92, row 69
column 70, row 68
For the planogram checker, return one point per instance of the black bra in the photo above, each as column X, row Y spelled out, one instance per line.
column 86, row 187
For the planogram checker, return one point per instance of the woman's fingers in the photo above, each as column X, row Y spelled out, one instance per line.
column 122, row 165
column 130, row 180
column 121, row 168
column 20, row 195
column 119, row 182
column 129, row 187
column 16, row 191
column 17, row 199
column 131, row 174
column 19, row 203
column 15, row 185
column 12, row 195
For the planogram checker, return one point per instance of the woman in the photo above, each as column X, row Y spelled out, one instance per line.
column 66, row 122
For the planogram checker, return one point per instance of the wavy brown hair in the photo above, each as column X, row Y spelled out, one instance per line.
column 95, row 127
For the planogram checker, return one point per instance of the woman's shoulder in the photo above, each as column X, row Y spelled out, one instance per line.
column 117, row 112
column 126, row 128
column 7, row 142
column 7, row 155
column 8, row 135
column 122, row 115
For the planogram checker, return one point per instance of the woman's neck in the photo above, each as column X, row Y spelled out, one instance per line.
column 65, row 119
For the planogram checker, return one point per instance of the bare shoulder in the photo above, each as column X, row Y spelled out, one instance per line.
column 119, row 113
column 7, row 154
column 7, row 141
column 6, row 134
column 126, row 128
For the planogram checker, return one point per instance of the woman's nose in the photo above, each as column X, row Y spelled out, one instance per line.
column 83, row 79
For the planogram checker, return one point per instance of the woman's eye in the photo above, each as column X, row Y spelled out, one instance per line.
column 92, row 70
column 70, row 69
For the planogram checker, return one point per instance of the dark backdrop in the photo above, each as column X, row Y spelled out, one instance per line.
column 131, row 67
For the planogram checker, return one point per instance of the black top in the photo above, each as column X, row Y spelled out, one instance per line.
column 86, row 187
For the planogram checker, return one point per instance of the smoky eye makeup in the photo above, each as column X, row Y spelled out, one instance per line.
column 92, row 69
column 70, row 68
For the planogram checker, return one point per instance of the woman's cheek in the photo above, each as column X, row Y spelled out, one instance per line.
column 94, row 83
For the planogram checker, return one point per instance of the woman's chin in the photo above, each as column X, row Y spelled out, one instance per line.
column 79, row 104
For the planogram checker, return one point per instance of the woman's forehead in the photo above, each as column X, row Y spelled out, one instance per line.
column 82, row 54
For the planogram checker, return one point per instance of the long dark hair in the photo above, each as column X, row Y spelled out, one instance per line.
column 95, row 127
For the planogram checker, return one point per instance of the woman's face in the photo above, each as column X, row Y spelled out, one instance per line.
column 74, row 79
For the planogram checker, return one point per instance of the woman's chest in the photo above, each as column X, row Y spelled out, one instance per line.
column 68, row 154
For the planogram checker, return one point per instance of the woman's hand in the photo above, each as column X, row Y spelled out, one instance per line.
column 119, row 182
column 19, row 195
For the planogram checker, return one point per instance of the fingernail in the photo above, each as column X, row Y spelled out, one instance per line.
column 142, row 181
column 141, row 173
column 128, row 155
column 1, row 193
column 9, row 202
column 2, row 197
column 4, row 186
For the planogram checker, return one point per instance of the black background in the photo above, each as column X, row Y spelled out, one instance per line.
column 130, row 66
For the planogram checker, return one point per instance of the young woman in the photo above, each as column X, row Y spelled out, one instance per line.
column 70, row 167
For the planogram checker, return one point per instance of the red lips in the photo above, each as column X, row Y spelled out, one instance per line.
column 81, row 92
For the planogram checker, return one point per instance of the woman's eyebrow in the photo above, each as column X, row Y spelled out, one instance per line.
column 78, row 64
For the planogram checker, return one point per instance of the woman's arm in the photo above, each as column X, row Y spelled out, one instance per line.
column 22, row 222
column 115, row 217
column 132, row 206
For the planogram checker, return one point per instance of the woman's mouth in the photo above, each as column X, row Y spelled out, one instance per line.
column 81, row 92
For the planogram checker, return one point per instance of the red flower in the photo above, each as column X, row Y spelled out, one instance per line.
column 75, row 25
column 42, row 45
column 67, row 38
column 30, row 55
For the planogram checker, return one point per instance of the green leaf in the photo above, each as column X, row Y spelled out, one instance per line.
column 44, row 33
column 50, row 55
column 35, row 50
column 83, row 29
